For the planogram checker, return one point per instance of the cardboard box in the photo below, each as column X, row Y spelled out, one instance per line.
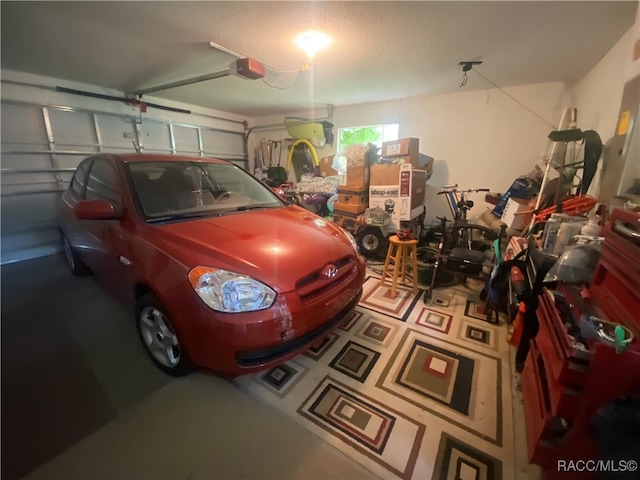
column 358, row 175
column 385, row 174
column 515, row 246
column 405, row 150
column 353, row 194
column 348, row 221
column 401, row 147
column 403, row 199
column 412, row 179
column 509, row 217
column 353, row 208
column 326, row 169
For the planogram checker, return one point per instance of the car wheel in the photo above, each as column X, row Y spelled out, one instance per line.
column 74, row 262
column 371, row 242
column 159, row 337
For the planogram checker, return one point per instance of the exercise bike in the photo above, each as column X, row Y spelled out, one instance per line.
column 466, row 249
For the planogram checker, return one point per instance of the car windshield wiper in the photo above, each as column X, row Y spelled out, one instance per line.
column 246, row 208
column 182, row 216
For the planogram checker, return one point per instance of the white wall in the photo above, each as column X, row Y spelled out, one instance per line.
column 598, row 95
column 478, row 138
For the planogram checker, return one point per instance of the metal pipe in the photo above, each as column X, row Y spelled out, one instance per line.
column 125, row 100
column 200, row 144
column 172, row 139
column 180, row 83
column 97, row 131
column 567, row 119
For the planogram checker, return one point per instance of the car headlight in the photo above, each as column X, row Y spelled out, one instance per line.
column 351, row 238
column 230, row 292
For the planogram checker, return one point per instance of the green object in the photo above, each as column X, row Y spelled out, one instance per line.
column 618, row 341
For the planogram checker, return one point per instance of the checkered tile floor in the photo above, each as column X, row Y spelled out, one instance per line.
column 408, row 390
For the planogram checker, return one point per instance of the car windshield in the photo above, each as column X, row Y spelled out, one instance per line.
column 169, row 190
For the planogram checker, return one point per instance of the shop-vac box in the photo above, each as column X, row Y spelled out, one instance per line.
column 403, row 199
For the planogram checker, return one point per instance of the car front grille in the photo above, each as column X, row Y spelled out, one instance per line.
column 316, row 286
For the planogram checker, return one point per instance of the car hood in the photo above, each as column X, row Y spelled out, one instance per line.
column 277, row 246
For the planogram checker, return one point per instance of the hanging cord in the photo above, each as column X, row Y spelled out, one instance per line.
column 281, row 88
column 464, row 79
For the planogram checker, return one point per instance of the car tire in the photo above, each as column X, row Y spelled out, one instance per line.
column 74, row 262
column 371, row 242
column 159, row 337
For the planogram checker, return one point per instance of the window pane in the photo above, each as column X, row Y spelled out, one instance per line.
column 102, row 183
column 375, row 134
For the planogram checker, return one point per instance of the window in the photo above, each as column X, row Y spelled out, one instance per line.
column 102, row 183
column 375, row 134
column 80, row 178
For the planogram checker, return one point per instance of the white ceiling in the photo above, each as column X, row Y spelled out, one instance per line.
column 380, row 51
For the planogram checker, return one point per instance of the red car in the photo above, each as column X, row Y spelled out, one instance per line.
column 224, row 273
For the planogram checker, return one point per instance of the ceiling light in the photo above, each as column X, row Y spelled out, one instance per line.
column 311, row 42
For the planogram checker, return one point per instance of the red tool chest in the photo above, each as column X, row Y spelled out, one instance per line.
column 565, row 382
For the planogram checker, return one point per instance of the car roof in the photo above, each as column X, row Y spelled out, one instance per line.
column 153, row 157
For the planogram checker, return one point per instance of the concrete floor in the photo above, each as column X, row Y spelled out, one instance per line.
column 80, row 399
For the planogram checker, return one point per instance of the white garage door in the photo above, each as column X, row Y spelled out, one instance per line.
column 42, row 146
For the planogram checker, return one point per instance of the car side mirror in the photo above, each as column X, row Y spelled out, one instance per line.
column 95, row 210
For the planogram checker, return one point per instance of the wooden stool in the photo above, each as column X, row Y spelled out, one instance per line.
column 395, row 265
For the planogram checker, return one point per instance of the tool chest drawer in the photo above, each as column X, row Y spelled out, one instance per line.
column 537, row 409
column 566, row 362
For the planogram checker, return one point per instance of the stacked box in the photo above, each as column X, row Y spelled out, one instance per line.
column 357, row 168
column 353, row 194
column 326, row 167
column 513, row 207
column 405, row 150
column 352, row 208
column 399, row 190
column 348, row 221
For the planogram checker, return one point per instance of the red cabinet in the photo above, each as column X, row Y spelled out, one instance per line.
column 565, row 383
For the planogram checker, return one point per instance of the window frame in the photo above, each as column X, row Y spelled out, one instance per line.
column 396, row 126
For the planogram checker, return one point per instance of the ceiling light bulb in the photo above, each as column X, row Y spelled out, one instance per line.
column 311, row 42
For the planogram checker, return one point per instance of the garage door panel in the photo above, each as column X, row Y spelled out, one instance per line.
column 22, row 213
column 72, row 129
column 72, row 161
column 122, row 150
column 186, row 140
column 22, row 125
column 219, row 144
column 27, row 181
column 25, row 161
column 155, row 137
column 116, row 133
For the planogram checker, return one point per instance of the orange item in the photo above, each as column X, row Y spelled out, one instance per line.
column 518, row 326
